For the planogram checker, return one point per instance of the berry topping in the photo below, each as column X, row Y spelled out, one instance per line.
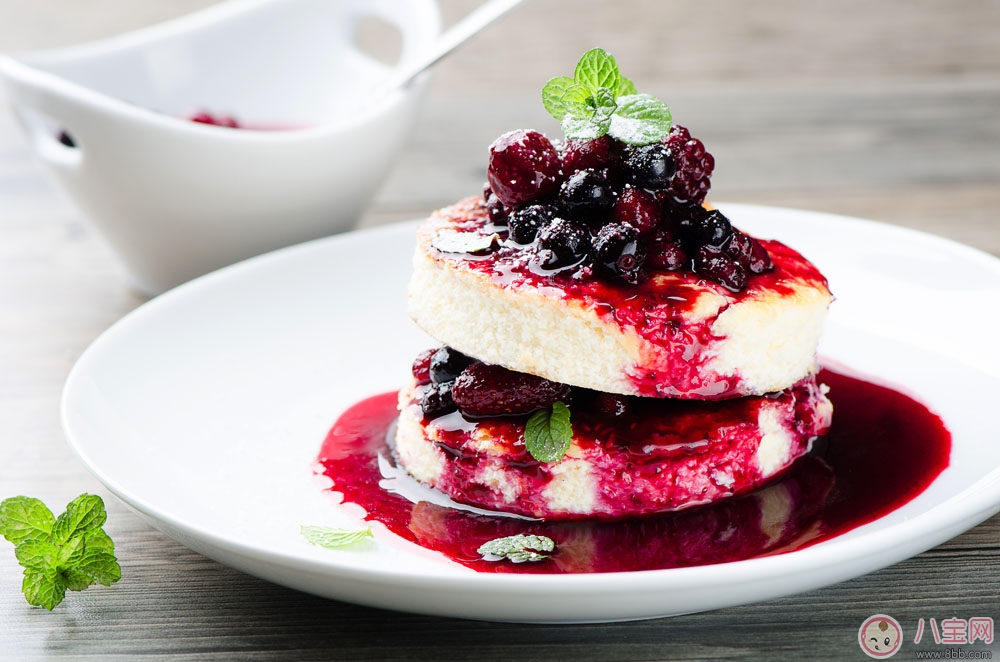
column 649, row 166
column 609, row 405
column 586, row 195
column 694, row 166
column 562, row 243
column 524, row 167
column 497, row 212
column 618, row 249
column 484, row 390
column 446, row 364
column 666, row 253
column 637, row 208
column 587, row 154
column 437, row 400
column 712, row 229
column 526, row 222
column 422, row 366
column 712, row 264
column 760, row 260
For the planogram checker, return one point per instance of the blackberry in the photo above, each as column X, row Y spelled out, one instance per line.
column 649, row 166
column 525, row 223
column 692, row 178
column 760, row 259
column 563, row 243
column 586, row 195
column 713, row 265
column 437, row 400
column 619, row 250
column 446, row 363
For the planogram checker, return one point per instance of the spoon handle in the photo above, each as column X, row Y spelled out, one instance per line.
column 458, row 33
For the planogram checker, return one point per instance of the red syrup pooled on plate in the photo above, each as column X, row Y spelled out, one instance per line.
column 883, row 450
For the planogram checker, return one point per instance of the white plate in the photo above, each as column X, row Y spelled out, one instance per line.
column 205, row 408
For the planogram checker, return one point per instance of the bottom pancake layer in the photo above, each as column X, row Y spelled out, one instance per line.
column 664, row 455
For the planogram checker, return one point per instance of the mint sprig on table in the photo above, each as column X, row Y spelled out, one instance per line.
column 598, row 100
column 71, row 551
column 331, row 538
column 517, row 549
column 548, row 433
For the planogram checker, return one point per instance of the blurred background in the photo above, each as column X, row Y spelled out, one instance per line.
column 786, row 95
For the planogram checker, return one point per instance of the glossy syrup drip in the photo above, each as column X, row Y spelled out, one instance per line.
column 884, row 449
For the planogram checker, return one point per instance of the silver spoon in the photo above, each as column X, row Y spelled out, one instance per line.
column 453, row 37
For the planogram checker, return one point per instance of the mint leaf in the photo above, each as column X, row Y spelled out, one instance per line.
column 23, row 517
column 84, row 512
column 548, row 433
column 596, row 69
column 101, row 567
column 43, row 589
column 624, row 87
column 34, row 554
column 640, row 119
column 517, row 549
column 69, row 552
column 553, row 93
column 330, row 538
column 598, row 100
column 583, row 128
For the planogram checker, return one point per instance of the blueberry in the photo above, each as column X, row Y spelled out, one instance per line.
column 619, row 250
column 446, row 364
column 586, row 195
column 649, row 166
column 437, row 400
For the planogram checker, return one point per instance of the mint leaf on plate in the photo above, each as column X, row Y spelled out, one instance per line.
column 517, row 549
column 548, row 433
column 331, row 538
column 69, row 552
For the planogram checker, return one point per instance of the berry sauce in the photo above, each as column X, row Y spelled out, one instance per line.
column 883, row 450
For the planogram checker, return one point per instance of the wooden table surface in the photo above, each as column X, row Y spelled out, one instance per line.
column 881, row 110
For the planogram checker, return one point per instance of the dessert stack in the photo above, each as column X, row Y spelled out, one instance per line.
column 612, row 345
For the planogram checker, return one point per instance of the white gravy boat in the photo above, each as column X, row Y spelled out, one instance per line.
column 177, row 199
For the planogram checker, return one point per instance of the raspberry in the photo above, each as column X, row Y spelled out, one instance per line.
column 484, row 390
column 422, row 366
column 694, row 166
column 524, row 167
